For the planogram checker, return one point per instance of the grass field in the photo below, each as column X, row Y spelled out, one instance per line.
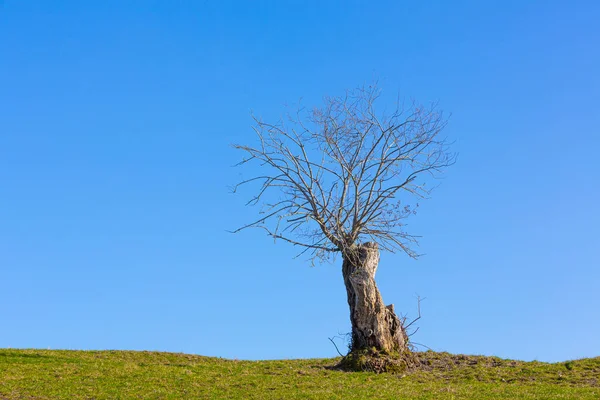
column 62, row 374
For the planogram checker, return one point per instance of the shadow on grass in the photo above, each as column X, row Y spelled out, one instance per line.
column 21, row 355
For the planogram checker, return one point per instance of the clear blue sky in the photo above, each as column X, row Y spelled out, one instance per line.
column 116, row 119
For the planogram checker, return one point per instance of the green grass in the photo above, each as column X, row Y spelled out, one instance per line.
column 62, row 374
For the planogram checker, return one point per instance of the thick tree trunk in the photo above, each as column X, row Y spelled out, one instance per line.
column 373, row 324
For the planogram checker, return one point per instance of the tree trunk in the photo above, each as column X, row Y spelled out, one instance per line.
column 373, row 324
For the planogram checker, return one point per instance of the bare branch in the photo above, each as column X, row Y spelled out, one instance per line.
column 345, row 173
column 336, row 348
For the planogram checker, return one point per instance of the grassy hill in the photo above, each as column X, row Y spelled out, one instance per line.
column 61, row 374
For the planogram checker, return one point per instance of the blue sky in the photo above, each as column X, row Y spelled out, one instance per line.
column 116, row 119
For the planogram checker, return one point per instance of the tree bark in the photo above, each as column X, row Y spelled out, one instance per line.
column 373, row 324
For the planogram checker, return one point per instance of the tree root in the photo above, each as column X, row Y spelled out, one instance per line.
column 372, row 360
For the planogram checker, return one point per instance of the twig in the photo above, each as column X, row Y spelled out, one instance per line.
column 419, row 312
column 422, row 345
column 336, row 348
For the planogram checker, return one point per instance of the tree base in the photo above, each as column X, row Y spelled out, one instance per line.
column 372, row 360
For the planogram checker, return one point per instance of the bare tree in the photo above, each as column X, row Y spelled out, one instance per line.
column 339, row 179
